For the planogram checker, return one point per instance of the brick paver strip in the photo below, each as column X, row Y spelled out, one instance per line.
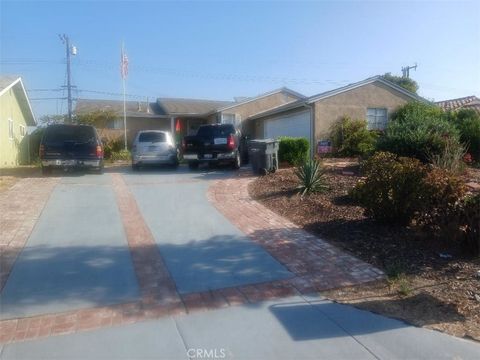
column 156, row 283
column 20, row 208
column 316, row 264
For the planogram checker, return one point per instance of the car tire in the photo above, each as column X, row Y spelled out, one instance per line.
column 46, row 170
column 237, row 162
column 193, row 165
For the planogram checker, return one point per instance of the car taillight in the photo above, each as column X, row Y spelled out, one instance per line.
column 41, row 151
column 99, row 151
column 231, row 142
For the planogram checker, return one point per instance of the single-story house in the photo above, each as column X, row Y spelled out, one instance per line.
column 468, row 102
column 184, row 116
column 281, row 112
column 373, row 99
column 15, row 116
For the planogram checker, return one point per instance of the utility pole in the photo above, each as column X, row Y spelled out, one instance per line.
column 64, row 38
column 406, row 70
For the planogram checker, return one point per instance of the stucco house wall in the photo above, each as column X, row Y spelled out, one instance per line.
column 135, row 124
column 354, row 103
column 13, row 151
column 244, row 110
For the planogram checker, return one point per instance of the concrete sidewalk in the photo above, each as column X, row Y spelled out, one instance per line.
column 291, row 328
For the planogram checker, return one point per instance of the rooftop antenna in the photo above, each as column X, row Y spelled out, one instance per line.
column 406, row 70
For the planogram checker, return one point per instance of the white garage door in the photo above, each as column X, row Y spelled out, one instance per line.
column 295, row 125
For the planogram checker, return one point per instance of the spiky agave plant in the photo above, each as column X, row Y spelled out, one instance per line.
column 312, row 177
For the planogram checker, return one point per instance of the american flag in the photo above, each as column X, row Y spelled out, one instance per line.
column 123, row 64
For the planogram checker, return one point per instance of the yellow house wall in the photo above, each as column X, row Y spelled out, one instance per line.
column 12, row 151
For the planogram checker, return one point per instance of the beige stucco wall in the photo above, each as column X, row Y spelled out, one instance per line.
column 354, row 103
column 135, row 124
column 259, row 105
column 12, row 151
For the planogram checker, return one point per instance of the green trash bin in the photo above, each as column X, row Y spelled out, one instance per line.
column 263, row 155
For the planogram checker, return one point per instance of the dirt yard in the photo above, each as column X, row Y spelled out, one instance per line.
column 429, row 284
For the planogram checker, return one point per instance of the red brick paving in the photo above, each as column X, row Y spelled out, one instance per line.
column 20, row 208
column 316, row 264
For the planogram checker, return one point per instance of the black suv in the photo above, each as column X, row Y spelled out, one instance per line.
column 71, row 146
column 215, row 143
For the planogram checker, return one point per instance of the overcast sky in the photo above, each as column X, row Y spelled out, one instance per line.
column 219, row 50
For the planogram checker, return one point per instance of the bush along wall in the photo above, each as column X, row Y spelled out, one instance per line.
column 352, row 138
column 294, row 151
column 419, row 130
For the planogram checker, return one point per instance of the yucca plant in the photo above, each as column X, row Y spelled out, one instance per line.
column 312, row 177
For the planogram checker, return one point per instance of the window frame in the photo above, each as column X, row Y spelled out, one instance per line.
column 10, row 129
column 22, row 130
column 377, row 125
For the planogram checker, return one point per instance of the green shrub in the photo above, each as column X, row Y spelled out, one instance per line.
column 451, row 157
column 351, row 137
column 393, row 187
column 120, row 155
column 467, row 121
column 469, row 210
column 442, row 192
column 312, row 177
column 111, row 146
column 293, row 150
column 418, row 130
column 399, row 190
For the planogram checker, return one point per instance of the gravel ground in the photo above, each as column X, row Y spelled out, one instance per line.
column 424, row 288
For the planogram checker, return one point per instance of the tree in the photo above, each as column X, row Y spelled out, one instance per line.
column 406, row 83
column 46, row 120
column 98, row 118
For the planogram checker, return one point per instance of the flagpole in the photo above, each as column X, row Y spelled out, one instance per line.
column 124, row 101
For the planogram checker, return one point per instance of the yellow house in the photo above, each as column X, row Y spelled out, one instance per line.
column 15, row 116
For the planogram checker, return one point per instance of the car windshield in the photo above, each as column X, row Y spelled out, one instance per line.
column 152, row 136
column 216, row 131
column 76, row 134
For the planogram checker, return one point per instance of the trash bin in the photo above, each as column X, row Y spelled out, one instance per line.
column 263, row 155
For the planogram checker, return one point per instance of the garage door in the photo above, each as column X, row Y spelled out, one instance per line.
column 295, row 125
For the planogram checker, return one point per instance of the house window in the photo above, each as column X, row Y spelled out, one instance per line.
column 376, row 118
column 10, row 129
column 115, row 124
column 22, row 130
column 233, row 119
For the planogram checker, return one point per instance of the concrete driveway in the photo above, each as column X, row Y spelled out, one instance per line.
column 114, row 253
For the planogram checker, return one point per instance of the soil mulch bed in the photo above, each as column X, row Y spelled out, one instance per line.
column 430, row 284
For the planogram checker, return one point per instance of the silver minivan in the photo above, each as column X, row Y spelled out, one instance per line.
column 154, row 147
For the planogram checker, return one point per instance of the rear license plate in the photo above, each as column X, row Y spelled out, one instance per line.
column 207, row 156
column 220, row 141
column 190, row 156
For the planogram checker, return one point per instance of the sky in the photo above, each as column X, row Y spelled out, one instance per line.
column 225, row 49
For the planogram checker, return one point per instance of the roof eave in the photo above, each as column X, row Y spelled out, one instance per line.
column 273, row 92
column 33, row 121
column 356, row 85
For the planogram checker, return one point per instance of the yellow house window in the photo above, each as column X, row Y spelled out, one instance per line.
column 22, row 130
column 10, row 129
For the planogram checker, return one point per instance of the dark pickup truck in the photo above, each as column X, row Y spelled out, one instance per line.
column 71, row 146
column 215, row 143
